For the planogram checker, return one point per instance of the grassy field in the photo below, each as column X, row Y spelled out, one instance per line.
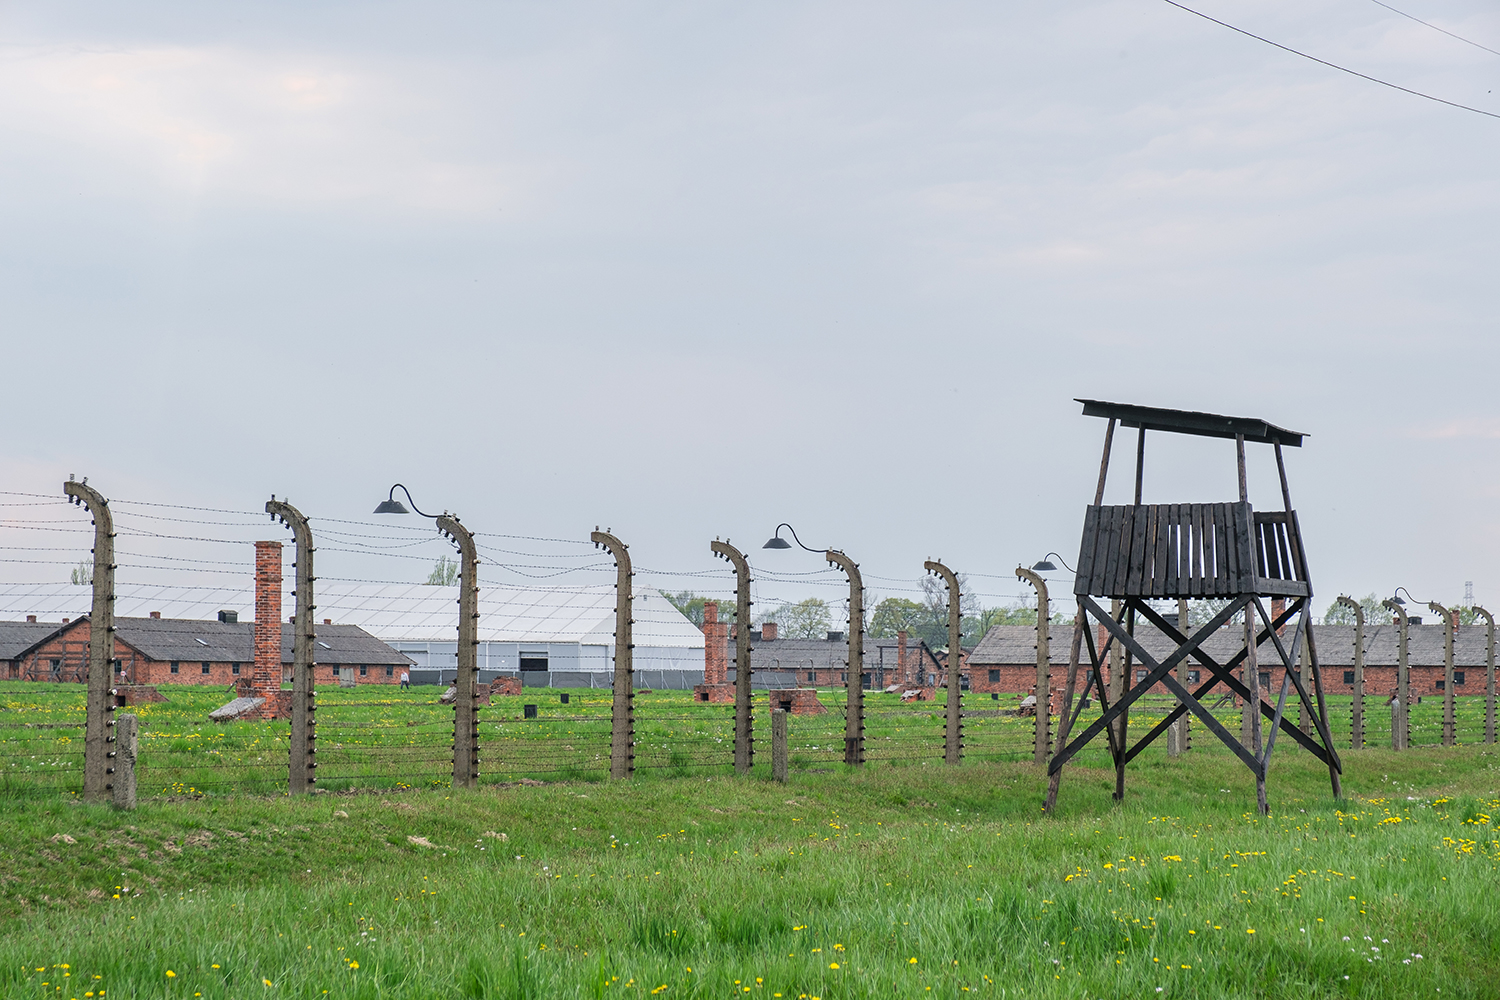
column 907, row 881
column 378, row 735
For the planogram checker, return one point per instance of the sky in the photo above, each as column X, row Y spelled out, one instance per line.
column 688, row 270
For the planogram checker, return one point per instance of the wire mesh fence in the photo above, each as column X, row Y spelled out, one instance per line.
column 379, row 736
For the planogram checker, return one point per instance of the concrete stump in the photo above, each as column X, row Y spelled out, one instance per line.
column 127, row 743
column 778, row 746
column 1176, row 744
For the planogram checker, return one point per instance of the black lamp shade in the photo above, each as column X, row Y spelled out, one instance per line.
column 777, row 543
column 392, row 507
column 1397, row 599
column 1045, row 566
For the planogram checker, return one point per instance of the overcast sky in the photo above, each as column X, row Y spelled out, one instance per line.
column 688, row 270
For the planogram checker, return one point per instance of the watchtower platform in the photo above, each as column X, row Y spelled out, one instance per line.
column 1134, row 554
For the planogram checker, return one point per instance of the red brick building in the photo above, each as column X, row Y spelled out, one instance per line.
column 158, row 650
column 1004, row 662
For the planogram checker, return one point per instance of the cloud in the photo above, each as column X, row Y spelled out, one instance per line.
column 279, row 129
column 1464, row 428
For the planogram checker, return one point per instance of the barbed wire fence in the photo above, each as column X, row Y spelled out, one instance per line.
column 377, row 734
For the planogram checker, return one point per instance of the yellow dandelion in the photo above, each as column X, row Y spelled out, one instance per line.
column 171, row 974
column 833, row 965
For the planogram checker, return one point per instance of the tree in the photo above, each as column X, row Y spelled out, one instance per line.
column 444, row 573
column 1341, row 614
column 691, row 605
column 807, row 619
column 897, row 614
column 82, row 575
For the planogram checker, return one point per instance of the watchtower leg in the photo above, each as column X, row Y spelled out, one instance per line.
column 1334, row 767
column 1252, row 706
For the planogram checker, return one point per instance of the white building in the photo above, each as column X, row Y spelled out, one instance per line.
column 559, row 637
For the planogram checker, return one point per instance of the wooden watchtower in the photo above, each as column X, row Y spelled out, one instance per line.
column 1135, row 553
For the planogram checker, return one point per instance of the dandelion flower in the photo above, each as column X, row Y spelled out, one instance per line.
column 171, row 974
column 833, row 965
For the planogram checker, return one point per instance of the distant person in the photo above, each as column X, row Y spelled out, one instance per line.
column 405, row 680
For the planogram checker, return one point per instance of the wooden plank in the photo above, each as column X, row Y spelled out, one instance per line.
column 1206, row 521
column 1221, row 549
column 1122, row 551
column 1244, row 534
column 1283, row 588
column 1233, row 522
column 1210, row 556
column 1173, row 549
column 1194, row 520
column 1085, row 576
column 1161, row 531
column 1287, row 572
column 1109, row 552
column 1182, row 515
column 1139, row 549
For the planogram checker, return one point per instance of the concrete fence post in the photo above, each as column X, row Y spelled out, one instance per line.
column 97, row 738
column 1489, row 674
column 622, row 720
column 778, row 746
column 1400, row 717
column 127, row 749
column 301, row 768
column 953, row 739
column 744, row 722
column 1450, row 722
column 465, row 702
column 1357, row 716
column 1183, row 725
column 854, row 705
column 1043, row 665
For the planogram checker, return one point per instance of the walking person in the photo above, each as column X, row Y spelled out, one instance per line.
column 405, row 680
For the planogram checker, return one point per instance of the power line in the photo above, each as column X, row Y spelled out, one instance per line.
column 1434, row 27
column 1325, row 62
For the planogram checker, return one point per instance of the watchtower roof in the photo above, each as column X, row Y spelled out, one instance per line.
column 1156, row 418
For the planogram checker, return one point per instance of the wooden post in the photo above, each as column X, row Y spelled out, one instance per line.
column 854, row 712
column 97, row 738
column 744, row 723
column 622, row 725
column 1183, row 726
column 1252, row 704
column 1400, row 730
column 1119, row 683
column 953, row 737
column 1489, row 674
column 127, row 748
column 778, row 746
column 1080, row 622
column 1304, row 671
column 1357, row 717
column 1140, row 463
column 1043, row 664
column 1450, row 725
column 301, row 770
column 465, row 706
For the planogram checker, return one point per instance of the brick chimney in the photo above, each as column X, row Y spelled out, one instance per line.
column 156, row 615
column 768, row 631
column 901, row 657
column 265, row 674
column 31, row 618
column 1278, row 607
column 715, row 646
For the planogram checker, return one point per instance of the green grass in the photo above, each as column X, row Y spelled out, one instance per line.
column 913, row 881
